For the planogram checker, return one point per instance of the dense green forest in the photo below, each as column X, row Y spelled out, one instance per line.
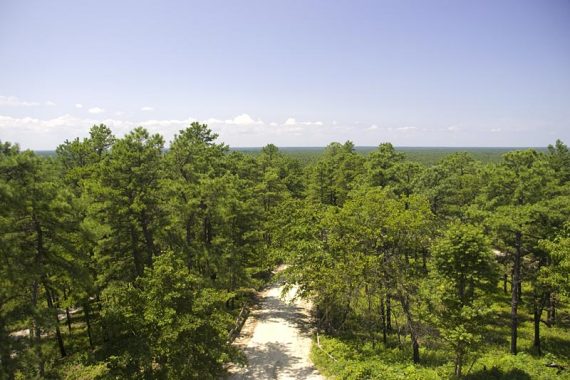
column 425, row 155
column 122, row 259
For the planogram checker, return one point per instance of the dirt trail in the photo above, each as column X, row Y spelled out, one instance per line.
column 276, row 339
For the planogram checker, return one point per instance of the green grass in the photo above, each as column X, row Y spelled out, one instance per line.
column 359, row 359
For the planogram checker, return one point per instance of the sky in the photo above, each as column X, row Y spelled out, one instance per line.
column 292, row 73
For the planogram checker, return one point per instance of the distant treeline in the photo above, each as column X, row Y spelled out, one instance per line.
column 425, row 155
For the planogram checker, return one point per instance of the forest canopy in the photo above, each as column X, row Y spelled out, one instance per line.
column 122, row 259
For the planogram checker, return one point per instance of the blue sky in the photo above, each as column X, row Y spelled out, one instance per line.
column 293, row 73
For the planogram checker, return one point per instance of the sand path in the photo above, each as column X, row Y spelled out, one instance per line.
column 276, row 339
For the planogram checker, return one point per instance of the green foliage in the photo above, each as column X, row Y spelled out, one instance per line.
column 356, row 257
column 333, row 176
column 171, row 326
column 464, row 262
column 464, row 272
column 145, row 246
column 122, row 259
column 556, row 275
column 451, row 185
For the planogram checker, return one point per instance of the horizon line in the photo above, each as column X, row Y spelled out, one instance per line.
column 365, row 146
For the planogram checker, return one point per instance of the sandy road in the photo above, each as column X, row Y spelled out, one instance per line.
column 276, row 339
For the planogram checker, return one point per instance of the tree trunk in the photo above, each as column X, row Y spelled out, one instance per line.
column 515, row 293
column 139, row 267
column 68, row 319
column 383, row 321
column 370, row 318
column 459, row 361
column 58, row 336
column 537, row 315
column 411, row 326
column 388, row 313
column 415, row 348
column 88, row 322
column 398, row 332
column 505, row 281
column 35, row 332
column 551, row 316
column 149, row 240
column 67, row 314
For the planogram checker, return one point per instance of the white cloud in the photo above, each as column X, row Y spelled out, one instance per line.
column 14, row 101
column 245, row 124
column 147, row 109
column 290, row 121
column 242, row 130
column 213, row 121
column 317, row 123
column 244, row 119
column 79, row 105
column 295, row 129
column 96, row 110
column 245, row 130
column 16, row 125
column 35, row 133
